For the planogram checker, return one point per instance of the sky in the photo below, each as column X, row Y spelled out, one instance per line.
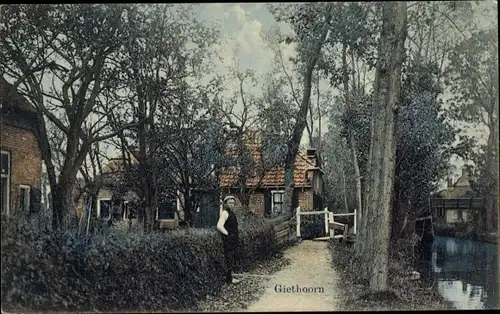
column 242, row 44
column 241, row 25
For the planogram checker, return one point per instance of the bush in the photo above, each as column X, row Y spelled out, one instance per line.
column 119, row 270
column 257, row 240
column 312, row 226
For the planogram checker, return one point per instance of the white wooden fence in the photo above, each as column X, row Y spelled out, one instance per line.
column 329, row 219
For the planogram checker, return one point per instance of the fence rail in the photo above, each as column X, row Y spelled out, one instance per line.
column 329, row 219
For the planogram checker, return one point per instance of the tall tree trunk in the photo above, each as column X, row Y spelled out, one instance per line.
column 149, row 210
column 298, row 130
column 352, row 140
column 318, row 144
column 46, row 152
column 492, row 163
column 63, row 196
column 345, row 191
column 188, row 208
column 381, row 177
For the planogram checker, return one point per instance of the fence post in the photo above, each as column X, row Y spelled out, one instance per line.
column 326, row 220
column 298, row 221
column 330, row 219
column 355, row 215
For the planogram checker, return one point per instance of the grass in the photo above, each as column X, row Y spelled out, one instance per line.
column 403, row 294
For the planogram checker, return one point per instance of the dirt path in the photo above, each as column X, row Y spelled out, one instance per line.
column 310, row 268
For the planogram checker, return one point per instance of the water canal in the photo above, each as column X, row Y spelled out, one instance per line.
column 465, row 271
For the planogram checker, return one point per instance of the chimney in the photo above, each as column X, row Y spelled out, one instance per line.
column 450, row 182
column 467, row 170
column 311, row 154
column 464, row 170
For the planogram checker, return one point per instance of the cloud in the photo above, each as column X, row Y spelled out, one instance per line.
column 240, row 13
column 248, row 36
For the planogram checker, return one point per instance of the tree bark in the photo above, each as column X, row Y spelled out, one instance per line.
column 491, row 217
column 46, row 152
column 345, row 191
column 382, row 160
column 145, row 173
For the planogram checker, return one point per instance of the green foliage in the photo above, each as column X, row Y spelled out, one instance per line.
column 472, row 76
column 424, row 137
column 257, row 239
column 120, row 271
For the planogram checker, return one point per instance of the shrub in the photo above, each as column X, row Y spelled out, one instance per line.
column 257, row 240
column 118, row 270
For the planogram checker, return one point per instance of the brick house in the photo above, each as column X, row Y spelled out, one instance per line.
column 21, row 159
column 267, row 196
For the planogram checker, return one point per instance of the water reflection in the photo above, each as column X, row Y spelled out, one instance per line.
column 466, row 272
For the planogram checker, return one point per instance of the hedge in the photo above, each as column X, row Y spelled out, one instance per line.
column 121, row 271
column 257, row 240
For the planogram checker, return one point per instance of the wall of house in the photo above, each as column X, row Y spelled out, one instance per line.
column 25, row 158
column 305, row 199
column 317, row 182
column 104, row 194
column 451, row 216
column 256, row 204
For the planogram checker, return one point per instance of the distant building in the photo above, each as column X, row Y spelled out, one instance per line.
column 268, row 188
column 119, row 201
column 21, row 159
column 456, row 203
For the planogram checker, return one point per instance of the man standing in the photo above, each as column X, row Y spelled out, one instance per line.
column 228, row 228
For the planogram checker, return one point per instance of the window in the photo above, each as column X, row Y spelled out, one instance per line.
column 104, row 208
column 441, row 212
column 5, row 196
column 5, row 164
column 24, row 197
column 277, row 202
column 454, row 214
column 5, row 181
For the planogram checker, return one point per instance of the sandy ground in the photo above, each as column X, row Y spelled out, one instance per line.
column 310, row 267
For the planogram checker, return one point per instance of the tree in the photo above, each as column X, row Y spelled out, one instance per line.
column 424, row 145
column 190, row 151
column 311, row 26
column 338, row 169
column 61, row 58
column 155, row 69
column 252, row 153
column 350, row 43
column 473, row 77
column 382, row 145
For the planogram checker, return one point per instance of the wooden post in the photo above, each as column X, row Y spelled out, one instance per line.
column 330, row 219
column 298, row 221
column 89, row 209
column 326, row 220
column 355, row 213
